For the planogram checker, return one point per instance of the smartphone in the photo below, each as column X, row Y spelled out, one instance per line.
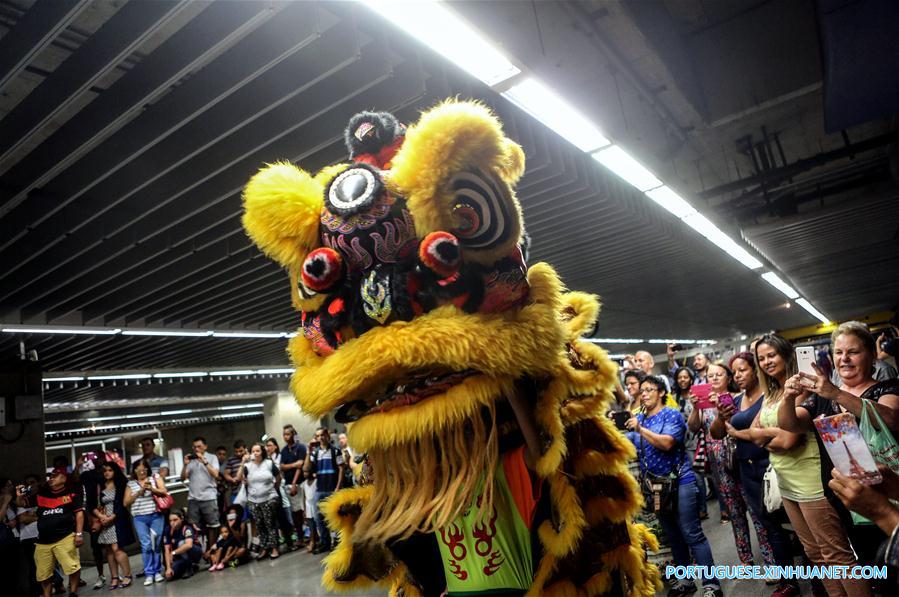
column 702, row 392
column 847, row 448
column 620, row 419
column 725, row 399
column 805, row 356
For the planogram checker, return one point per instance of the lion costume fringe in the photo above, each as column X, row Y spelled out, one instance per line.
column 419, row 320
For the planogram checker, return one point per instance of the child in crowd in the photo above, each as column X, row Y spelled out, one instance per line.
column 237, row 529
column 224, row 549
column 308, row 489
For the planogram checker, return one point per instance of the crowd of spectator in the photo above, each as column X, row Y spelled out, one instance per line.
column 749, row 439
column 246, row 506
column 741, row 430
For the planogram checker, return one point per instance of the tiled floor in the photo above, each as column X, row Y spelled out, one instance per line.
column 298, row 573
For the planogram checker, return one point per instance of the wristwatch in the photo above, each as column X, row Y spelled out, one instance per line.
column 79, row 534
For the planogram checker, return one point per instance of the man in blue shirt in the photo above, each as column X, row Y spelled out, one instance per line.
column 327, row 463
column 158, row 464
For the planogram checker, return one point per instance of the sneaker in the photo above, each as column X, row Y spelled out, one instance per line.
column 712, row 591
column 681, row 588
column 148, row 580
column 158, row 577
column 101, row 581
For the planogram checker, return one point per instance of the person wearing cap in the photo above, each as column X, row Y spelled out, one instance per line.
column 60, row 520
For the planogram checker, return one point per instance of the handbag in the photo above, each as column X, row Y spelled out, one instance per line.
column 659, row 491
column 241, row 498
column 94, row 524
column 729, row 454
column 163, row 502
column 771, row 490
column 882, row 444
column 700, row 456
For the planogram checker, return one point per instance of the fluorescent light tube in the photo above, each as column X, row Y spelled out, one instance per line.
column 185, row 374
column 172, row 333
column 249, row 334
column 234, row 372
column 84, row 331
column 811, row 309
column 627, row 168
column 442, row 30
column 672, row 341
column 123, row 376
column 703, row 226
column 246, row 414
column 671, row 201
column 613, row 340
column 239, row 406
column 63, row 379
column 183, row 411
column 774, row 280
column 274, row 371
column 539, row 101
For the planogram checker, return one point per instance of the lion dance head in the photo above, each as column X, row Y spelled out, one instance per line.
column 419, row 318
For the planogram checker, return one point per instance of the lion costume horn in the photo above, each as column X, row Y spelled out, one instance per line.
column 419, row 319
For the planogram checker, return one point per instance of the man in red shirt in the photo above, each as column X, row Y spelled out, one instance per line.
column 60, row 519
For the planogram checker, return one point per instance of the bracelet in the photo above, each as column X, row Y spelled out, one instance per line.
column 79, row 534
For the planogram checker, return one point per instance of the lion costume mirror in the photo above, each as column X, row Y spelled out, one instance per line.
column 458, row 370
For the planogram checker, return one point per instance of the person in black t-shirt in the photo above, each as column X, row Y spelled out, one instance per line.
column 60, row 519
column 182, row 549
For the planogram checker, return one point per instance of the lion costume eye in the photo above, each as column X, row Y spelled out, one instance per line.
column 480, row 210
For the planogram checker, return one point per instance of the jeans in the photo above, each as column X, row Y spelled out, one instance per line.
column 685, row 532
column 324, row 535
column 182, row 563
column 751, row 479
column 149, row 529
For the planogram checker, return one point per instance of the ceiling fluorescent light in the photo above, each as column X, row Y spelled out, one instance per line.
column 671, row 341
column 614, row 340
column 183, row 411
column 246, row 414
column 624, row 166
column 84, row 331
column 811, row 309
column 671, row 201
column 703, row 226
column 123, row 376
column 185, row 374
column 46, row 379
column 172, row 333
column 774, row 280
column 274, row 371
column 249, row 334
column 234, row 372
column 539, row 101
column 239, row 406
column 442, row 30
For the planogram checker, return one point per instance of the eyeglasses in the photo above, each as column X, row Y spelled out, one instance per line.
column 649, row 390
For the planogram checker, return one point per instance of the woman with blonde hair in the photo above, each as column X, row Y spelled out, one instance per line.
column 854, row 352
column 797, row 461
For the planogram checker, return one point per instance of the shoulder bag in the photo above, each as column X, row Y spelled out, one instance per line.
column 163, row 502
column 771, row 490
column 659, row 491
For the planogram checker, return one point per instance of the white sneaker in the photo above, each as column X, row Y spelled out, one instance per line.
column 159, row 577
column 101, row 580
column 148, row 581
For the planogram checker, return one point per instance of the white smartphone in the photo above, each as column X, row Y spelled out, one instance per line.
column 805, row 356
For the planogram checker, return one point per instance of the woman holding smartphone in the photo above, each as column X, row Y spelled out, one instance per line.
column 658, row 433
column 751, row 463
column 797, row 461
column 854, row 352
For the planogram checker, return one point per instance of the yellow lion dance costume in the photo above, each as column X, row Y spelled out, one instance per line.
column 421, row 324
